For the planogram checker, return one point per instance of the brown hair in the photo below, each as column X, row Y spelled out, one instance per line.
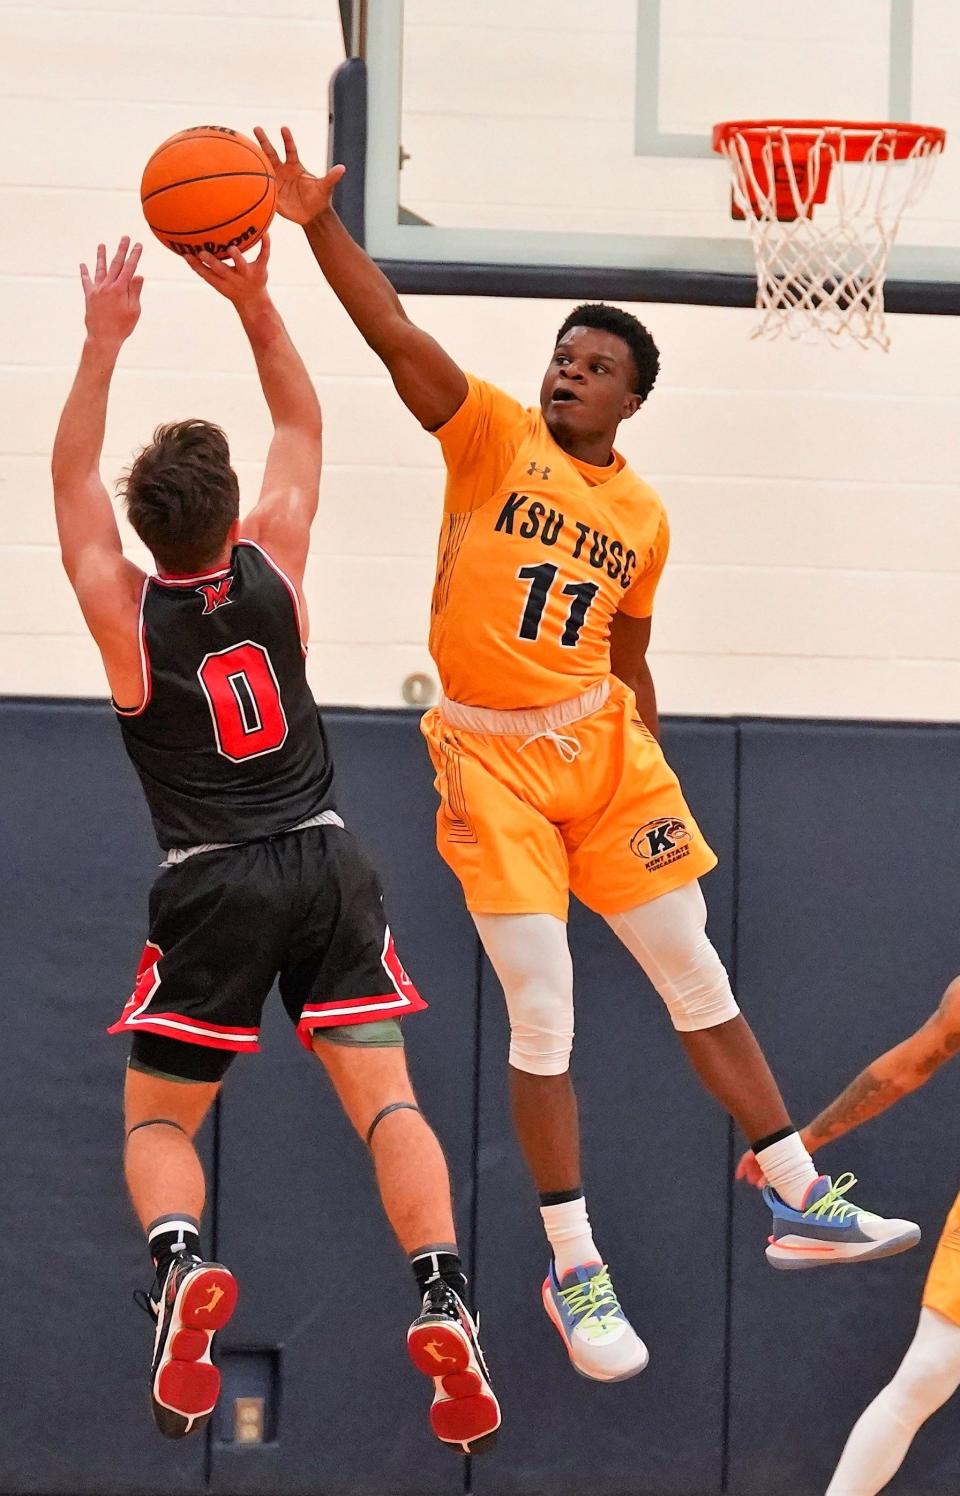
column 182, row 495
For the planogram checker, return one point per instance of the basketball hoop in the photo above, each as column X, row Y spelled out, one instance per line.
column 825, row 277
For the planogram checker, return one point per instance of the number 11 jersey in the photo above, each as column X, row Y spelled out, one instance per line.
column 228, row 742
column 538, row 552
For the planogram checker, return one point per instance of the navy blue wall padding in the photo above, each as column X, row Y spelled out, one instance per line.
column 78, row 858
column 655, row 1153
column 848, row 933
column 838, row 892
column 299, row 1218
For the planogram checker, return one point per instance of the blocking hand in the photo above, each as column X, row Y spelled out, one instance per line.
column 300, row 195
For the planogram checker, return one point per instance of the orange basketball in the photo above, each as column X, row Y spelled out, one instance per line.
column 208, row 188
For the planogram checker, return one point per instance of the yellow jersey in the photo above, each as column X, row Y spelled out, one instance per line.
column 537, row 552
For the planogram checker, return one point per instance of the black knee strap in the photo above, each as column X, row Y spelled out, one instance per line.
column 395, row 1106
column 156, row 1122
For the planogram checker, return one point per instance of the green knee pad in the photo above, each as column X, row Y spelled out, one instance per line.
column 383, row 1033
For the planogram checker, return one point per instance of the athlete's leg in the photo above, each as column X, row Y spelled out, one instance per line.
column 410, row 1167
column 191, row 1299
column 813, row 1226
column 367, row 1066
column 928, row 1375
column 162, row 1168
column 530, row 954
column 531, row 957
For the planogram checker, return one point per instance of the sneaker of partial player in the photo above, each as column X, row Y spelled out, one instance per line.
column 196, row 1299
column 830, row 1229
column 601, row 1342
column 444, row 1344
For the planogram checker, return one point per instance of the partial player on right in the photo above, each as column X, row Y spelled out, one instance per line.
column 929, row 1373
column 549, row 767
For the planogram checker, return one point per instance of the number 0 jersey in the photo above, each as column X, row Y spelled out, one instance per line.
column 538, row 552
column 228, row 744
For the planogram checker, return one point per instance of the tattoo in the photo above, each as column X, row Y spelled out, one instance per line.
column 864, row 1098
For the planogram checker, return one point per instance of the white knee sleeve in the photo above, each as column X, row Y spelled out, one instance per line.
column 530, row 955
column 668, row 938
column 928, row 1374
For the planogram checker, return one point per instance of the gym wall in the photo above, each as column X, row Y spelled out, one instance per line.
column 813, row 494
column 834, row 906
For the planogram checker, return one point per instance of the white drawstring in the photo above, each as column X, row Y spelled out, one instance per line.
column 566, row 744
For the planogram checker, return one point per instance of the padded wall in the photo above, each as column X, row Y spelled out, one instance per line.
column 78, row 858
column 849, row 897
column 845, row 911
column 655, row 1159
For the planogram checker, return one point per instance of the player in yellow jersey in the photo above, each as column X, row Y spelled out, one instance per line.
column 550, row 775
column 929, row 1373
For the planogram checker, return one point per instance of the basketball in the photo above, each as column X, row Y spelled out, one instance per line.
column 208, row 188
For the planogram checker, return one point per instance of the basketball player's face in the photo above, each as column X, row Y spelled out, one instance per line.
column 588, row 387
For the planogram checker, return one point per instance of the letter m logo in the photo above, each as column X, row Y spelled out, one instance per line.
column 214, row 594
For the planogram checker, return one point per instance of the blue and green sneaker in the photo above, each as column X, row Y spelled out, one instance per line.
column 829, row 1229
column 600, row 1341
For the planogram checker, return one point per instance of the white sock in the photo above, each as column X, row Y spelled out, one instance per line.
column 568, row 1232
column 789, row 1169
column 928, row 1374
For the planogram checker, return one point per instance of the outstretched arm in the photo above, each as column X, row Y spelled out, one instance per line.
column 427, row 380
column 290, row 491
column 903, row 1069
column 106, row 584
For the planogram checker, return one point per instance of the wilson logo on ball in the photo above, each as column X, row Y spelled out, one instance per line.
column 248, row 236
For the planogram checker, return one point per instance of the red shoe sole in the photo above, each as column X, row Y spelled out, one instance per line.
column 467, row 1410
column 187, row 1382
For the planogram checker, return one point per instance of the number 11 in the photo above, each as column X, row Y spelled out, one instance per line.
column 541, row 579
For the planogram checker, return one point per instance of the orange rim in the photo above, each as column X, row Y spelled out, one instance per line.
column 858, row 136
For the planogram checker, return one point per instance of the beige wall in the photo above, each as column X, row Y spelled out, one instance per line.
column 813, row 494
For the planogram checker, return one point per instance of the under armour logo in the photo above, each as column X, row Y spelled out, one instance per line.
column 543, row 471
column 214, row 594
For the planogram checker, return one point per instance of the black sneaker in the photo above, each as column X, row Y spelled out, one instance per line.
column 443, row 1344
column 196, row 1300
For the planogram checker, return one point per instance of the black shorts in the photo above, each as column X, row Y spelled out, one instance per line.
column 304, row 908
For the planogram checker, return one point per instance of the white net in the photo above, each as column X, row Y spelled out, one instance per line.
column 824, row 204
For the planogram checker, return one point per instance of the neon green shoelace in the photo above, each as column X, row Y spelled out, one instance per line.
column 833, row 1207
column 594, row 1306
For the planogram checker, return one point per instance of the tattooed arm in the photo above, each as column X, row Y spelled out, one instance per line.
column 901, row 1070
column 896, row 1073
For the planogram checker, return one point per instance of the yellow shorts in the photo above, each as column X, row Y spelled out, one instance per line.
column 942, row 1288
column 522, row 824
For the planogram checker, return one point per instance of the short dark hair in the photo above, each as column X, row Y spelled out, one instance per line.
column 182, row 495
column 646, row 355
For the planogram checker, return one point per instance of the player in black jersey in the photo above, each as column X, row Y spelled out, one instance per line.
column 261, row 880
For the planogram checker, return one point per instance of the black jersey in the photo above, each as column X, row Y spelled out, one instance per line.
column 228, row 745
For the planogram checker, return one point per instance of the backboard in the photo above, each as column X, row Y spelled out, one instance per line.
column 547, row 147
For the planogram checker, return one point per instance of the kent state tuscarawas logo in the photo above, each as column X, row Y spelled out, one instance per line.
column 660, row 843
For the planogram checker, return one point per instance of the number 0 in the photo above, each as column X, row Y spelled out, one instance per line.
column 244, row 700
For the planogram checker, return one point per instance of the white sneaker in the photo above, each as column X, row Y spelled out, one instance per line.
column 600, row 1341
column 829, row 1229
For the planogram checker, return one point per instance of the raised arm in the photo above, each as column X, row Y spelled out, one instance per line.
column 427, row 380
column 106, row 584
column 282, row 517
column 894, row 1074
